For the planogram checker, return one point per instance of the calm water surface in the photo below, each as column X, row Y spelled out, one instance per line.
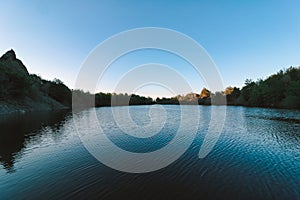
column 256, row 157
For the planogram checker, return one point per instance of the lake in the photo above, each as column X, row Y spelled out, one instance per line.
column 257, row 155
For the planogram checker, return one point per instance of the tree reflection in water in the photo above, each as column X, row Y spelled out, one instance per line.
column 19, row 130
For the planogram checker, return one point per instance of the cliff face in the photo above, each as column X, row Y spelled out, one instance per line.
column 23, row 92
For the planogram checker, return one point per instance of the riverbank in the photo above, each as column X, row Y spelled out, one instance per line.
column 27, row 105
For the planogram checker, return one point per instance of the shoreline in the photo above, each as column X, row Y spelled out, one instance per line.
column 11, row 109
column 18, row 109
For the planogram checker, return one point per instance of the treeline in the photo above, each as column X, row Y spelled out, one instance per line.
column 86, row 99
column 281, row 90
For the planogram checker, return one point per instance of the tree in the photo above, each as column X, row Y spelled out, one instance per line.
column 205, row 93
column 232, row 95
column 60, row 92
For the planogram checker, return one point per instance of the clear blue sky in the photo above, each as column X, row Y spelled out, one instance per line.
column 246, row 39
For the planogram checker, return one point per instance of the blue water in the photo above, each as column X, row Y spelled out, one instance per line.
column 256, row 157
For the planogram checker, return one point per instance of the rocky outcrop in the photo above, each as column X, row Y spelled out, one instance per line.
column 22, row 92
column 9, row 59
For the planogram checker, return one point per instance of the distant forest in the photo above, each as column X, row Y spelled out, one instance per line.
column 17, row 86
column 281, row 90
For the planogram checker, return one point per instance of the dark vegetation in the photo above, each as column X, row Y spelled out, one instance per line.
column 31, row 92
column 281, row 90
column 22, row 89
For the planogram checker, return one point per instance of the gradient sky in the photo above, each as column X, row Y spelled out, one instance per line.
column 246, row 39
